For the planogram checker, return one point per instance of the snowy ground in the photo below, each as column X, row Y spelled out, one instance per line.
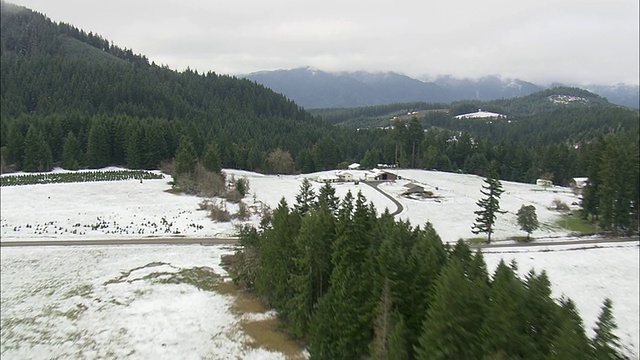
column 59, row 300
column 110, row 303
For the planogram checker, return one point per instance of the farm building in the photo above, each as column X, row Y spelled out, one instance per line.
column 578, row 184
column 345, row 176
column 544, row 183
column 381, row 175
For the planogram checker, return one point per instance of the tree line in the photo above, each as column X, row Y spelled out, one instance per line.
column 351, row 284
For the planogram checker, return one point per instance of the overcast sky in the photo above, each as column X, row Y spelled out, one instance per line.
column 541, row 41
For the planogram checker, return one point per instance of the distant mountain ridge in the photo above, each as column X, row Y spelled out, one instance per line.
column 315, row 89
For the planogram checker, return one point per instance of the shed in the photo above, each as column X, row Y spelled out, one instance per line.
column 578, row 184
column 381, row 175
column 544, row 183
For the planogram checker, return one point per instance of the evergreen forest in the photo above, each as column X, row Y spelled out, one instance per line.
column 353, row 284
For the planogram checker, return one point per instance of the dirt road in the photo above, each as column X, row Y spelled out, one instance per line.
column 589, row 241
column 399, row 207
column 110, row 242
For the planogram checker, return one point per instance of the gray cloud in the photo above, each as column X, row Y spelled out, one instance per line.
column 540, row 41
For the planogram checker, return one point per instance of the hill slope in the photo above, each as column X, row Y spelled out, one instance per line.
column 62, row 80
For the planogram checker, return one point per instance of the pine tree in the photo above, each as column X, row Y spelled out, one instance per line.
column 616, row 192
column 211, row 158
column 71, row 153
column 186, row 157
column 98, row 147
column 527, row 219
column 541, row 313
column 15, row 145
column 489, row 206
column 504, row 325
column 571, row 341
column 606, row 345
column 311, row 268
column 425, row 261
column 276, row 258
column 306, row 198
column 154, row 145
column 327, row 195
column 389, row 339
column 37, row 155
column 452, row 326
column 134, row 156
column 342, row 327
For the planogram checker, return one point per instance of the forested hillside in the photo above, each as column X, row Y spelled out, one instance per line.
column 66, row 84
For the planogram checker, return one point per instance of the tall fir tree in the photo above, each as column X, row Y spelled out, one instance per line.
column 425, row 261
column 342, row 327
column 327, row 195
column 134, row 151
column 489, row 206
column 186, row 157
column 311, row 268
column 451, row 329
column 389, row 339
column 606, row 345
column 71, row 153
column 15, row 145
column 98, row 147
column 277, row 258
column 211, row 158
column 306, row 198
column 617, row 188
column 571, row 341
column 541, row 314
column 504, row 326
column 37, row 154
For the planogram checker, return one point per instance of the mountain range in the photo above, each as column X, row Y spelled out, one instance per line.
column 314, row 89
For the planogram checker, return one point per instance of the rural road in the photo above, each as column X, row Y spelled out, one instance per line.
column 375, row 184
column 235, row 241
column 140, row 241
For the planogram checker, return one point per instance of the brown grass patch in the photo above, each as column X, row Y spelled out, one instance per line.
column 244, row 301
column 267, row 335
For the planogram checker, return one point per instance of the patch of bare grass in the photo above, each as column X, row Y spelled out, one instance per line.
column 265, row 333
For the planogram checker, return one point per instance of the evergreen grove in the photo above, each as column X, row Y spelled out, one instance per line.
column 353, row 284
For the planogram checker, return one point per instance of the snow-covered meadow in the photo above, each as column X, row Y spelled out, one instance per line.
column 65, row 301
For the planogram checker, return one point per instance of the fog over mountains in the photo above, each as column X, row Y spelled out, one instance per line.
column 313, row 88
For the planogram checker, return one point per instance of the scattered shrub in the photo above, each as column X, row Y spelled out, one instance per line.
column 558, row 205
column 232, row 195
column 243, row 211
column 242, row 186
column 218, row 213
column 210, row 183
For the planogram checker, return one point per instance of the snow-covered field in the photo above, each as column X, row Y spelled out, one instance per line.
column 111, row 303
column 64, row 301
